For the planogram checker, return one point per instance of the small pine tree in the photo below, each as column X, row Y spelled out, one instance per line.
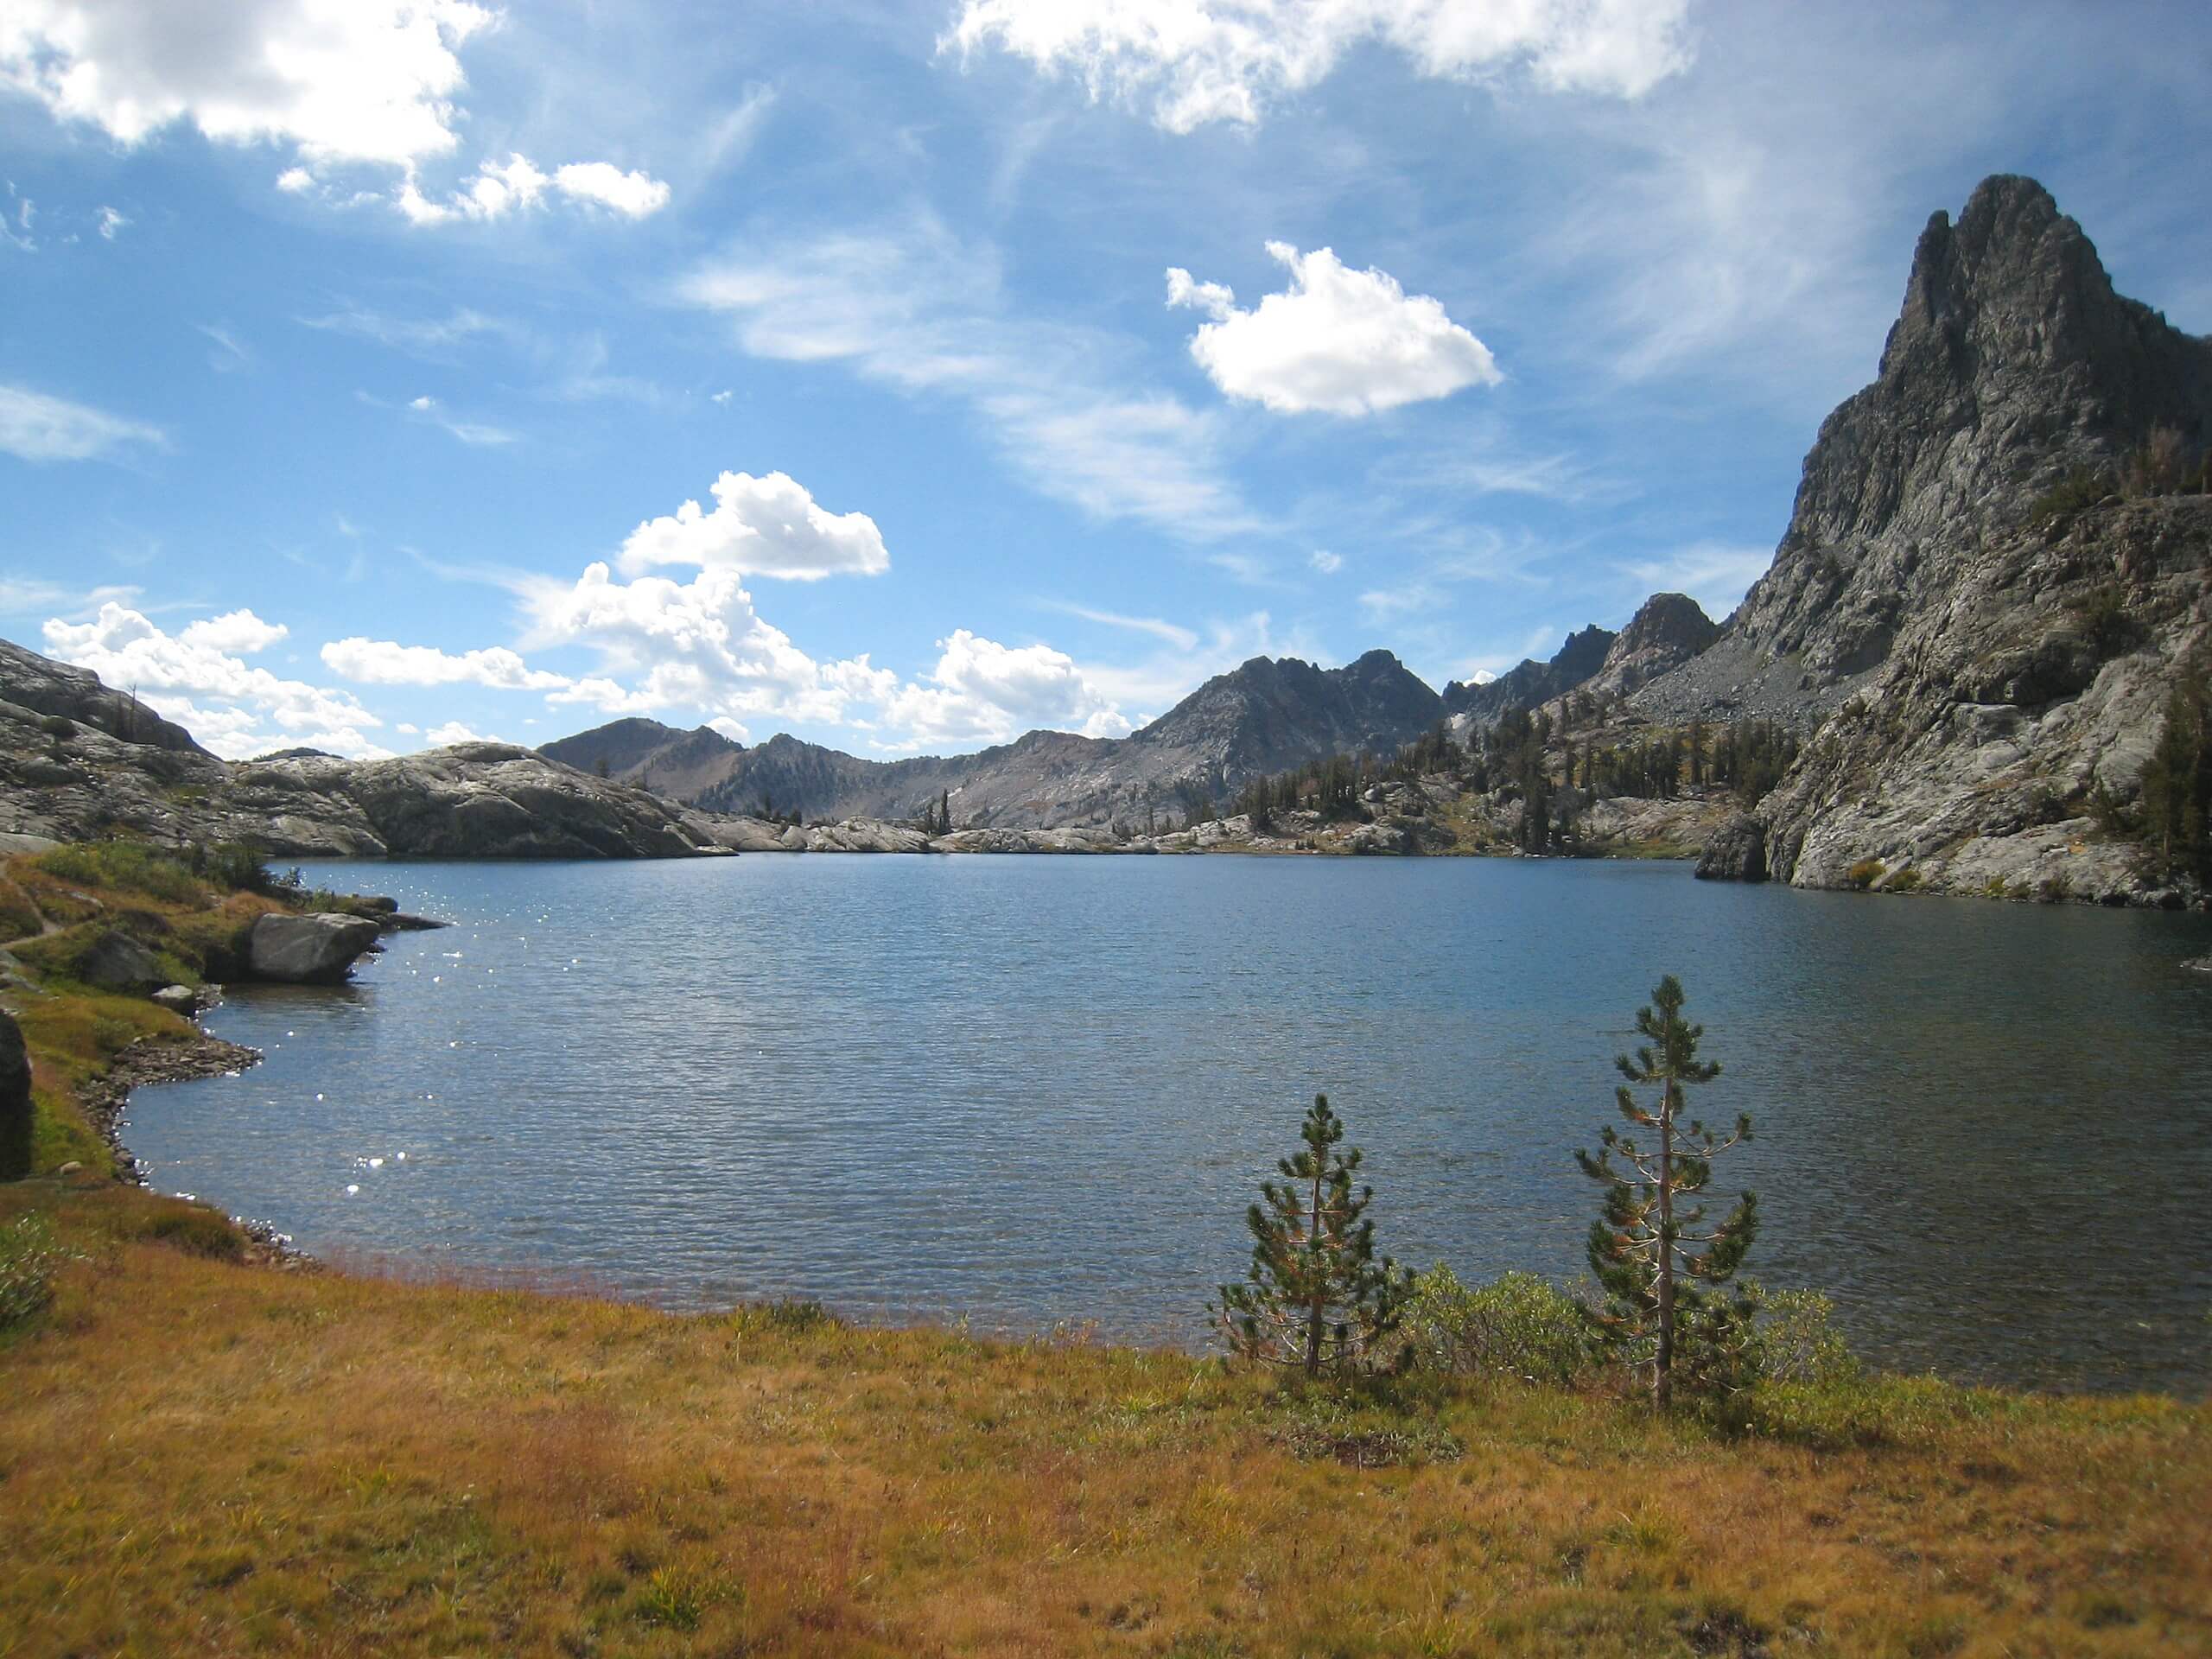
column 1661, row 1309
column 1316, row 1297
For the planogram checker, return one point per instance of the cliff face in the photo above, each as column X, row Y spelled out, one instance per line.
column 2012, row 363
column 1979, row 653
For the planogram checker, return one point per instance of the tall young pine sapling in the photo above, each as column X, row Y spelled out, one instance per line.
column 1316, row 1298
column 1659, row 1272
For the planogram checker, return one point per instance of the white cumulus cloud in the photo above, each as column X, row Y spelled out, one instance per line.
column 982, row 692
column 343, row 80
column 633, row 195
column 1195, row 61
column 240, row 633
column 35, row 426
column 385, row 662
column 697, row 645
column 518, row 184
column 198, row 679
column 767, row 526
column 1344, row 342
column 452, row 731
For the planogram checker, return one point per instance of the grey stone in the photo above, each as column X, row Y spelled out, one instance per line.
column 1736, row 852
column 178, row 999
column 313, row 950
column 115, row 962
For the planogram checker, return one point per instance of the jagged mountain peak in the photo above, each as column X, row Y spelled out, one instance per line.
column 2012, row 363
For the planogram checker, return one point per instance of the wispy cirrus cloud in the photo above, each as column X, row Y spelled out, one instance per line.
column 914, row 308
column 39, row 426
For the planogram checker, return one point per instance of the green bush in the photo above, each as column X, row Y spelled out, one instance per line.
column 28, row 1259
column 19, row 917
column 2103, row 620
column 1903, row 882
column 1795, row 1340
column 232, row 865
column 1865, row 873
column 130, row 866
column 1520, row 1326
column 2082, row 487
column 195, row 1229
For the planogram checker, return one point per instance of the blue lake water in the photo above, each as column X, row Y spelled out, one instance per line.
column 1026, row 1090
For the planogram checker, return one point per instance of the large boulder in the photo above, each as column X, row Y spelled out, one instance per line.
column 1736, row 852
column 115, row 962
column 15, row 1102
column 316, row 949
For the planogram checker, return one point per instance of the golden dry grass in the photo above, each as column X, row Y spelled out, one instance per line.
column 201, row 1457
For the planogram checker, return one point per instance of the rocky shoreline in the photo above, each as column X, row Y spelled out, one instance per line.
column 105, row 1103
column 105, row 1099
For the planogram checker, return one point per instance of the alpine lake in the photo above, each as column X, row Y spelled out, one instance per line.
column 1039, row 1092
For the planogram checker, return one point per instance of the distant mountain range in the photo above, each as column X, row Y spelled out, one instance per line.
column 1266, row 717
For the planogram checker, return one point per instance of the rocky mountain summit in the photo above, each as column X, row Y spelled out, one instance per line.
column 1667, row 630
column 1991, row 579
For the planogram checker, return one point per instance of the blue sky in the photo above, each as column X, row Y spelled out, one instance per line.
column 1025, row 363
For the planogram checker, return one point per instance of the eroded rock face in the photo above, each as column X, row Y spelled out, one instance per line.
column 314, row 950
column 1973, row 674
column 1735, row 852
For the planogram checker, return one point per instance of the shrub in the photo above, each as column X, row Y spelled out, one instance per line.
column 1796, row 1339
column 1520, row 1326
column 2103, row 618
column 19, row 917
column 1865, row 873
column 28, row 1259
column 1903, row 882
column 131, row 866
column 235, row 866
column 2160, row 466
column 195, row 1229
column 2082, row 487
